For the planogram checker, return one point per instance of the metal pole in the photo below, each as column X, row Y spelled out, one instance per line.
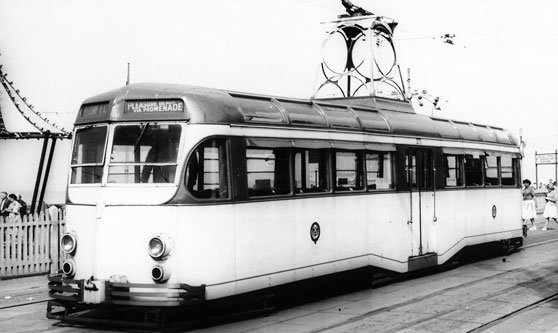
column 128, row 75
column 536, row 170
column 39, row 173
column 47, row 171
column 555, row 165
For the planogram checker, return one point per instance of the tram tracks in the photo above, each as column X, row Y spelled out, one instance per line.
column 465, row 303
column 514, row 313
column 18, row 305
column 429, row 317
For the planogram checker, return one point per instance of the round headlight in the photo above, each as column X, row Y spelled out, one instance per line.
column 160, row 246
column 156, row 247
column 68, row 243
column 69, row 267
column 160, row 274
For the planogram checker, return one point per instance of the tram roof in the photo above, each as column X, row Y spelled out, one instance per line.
column 153, row 101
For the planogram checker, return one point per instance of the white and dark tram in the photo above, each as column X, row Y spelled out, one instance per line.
column 179, row 195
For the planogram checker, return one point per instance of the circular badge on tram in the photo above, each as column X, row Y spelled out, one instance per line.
column 315, row 232
column 494, row 211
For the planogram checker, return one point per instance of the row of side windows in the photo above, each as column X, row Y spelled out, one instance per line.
column 286, row 170
column 269, row 170
column 481, row 170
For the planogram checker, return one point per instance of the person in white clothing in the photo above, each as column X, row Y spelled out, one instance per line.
column 529, row 206
column 550, row 210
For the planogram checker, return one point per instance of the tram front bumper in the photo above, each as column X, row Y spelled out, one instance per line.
column 92, row 292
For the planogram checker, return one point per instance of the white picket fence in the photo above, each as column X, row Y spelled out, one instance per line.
column 33, row 245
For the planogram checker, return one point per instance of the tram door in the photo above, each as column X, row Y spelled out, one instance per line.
column 420, row 182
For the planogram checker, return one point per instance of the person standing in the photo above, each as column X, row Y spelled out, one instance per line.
column 4, row 204
column 529, row 206
column 550, row 210
column 14, row 209
column 23, row 209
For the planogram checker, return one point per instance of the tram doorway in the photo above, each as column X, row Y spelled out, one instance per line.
column 422, row 200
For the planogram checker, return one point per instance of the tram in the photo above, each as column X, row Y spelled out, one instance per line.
column 179, row 195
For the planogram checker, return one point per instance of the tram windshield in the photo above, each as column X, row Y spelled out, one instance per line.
column 144, row 153
column 140, row 153
column 87, row 155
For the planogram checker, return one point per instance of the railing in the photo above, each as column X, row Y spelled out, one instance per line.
column 32, row 245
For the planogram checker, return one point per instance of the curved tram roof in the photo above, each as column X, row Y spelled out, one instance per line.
column 204, row 105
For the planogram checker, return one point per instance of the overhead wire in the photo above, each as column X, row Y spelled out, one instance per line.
column 521, row 18
column 15, row 94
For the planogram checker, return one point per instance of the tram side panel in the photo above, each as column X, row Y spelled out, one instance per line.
column 332, row 235
column 350, row 228
column 389, row 233
column 454, row 221
column 264, row 244
column 206, row 248
column 277, row 241
column 465, row 217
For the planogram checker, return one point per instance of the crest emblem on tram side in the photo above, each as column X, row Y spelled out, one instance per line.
column 494, row 211
column 315, row 232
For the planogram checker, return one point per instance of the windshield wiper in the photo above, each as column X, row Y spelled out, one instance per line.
column 143, row 130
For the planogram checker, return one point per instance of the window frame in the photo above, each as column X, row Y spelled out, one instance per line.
column 289, row 171
column 360, row 168
column 498, row 171
column 328, row 171
column 176, row 163
column 481, row 158
column 392, row 168
column 460, row 159
column 426, row 177
column 514, row 169
column 101, row 164
column 228, row 164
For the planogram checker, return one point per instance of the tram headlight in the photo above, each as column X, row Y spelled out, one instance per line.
column 69, row 267
column 68, row 243
column 160, row 246
column 160, row 273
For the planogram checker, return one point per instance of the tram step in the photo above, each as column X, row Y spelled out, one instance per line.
column 422, row 261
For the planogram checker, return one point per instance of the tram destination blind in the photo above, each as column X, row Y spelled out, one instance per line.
column 154, row 106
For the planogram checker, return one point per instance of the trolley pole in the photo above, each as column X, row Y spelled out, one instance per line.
column 128, row 75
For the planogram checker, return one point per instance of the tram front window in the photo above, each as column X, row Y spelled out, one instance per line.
column 87, row 155
column 144, row 153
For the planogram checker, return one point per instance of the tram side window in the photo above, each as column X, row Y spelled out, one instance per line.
column 453, row 170
column 207, row 172
column 268, row 171
column 473, row 170
column 379, row 170
column 507, row 165
column 311, row 170
column 348, row 171
column 491, row 171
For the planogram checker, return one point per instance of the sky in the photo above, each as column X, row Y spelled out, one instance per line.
column 501, row 69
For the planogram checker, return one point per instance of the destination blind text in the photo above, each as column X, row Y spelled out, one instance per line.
column 154, row 106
